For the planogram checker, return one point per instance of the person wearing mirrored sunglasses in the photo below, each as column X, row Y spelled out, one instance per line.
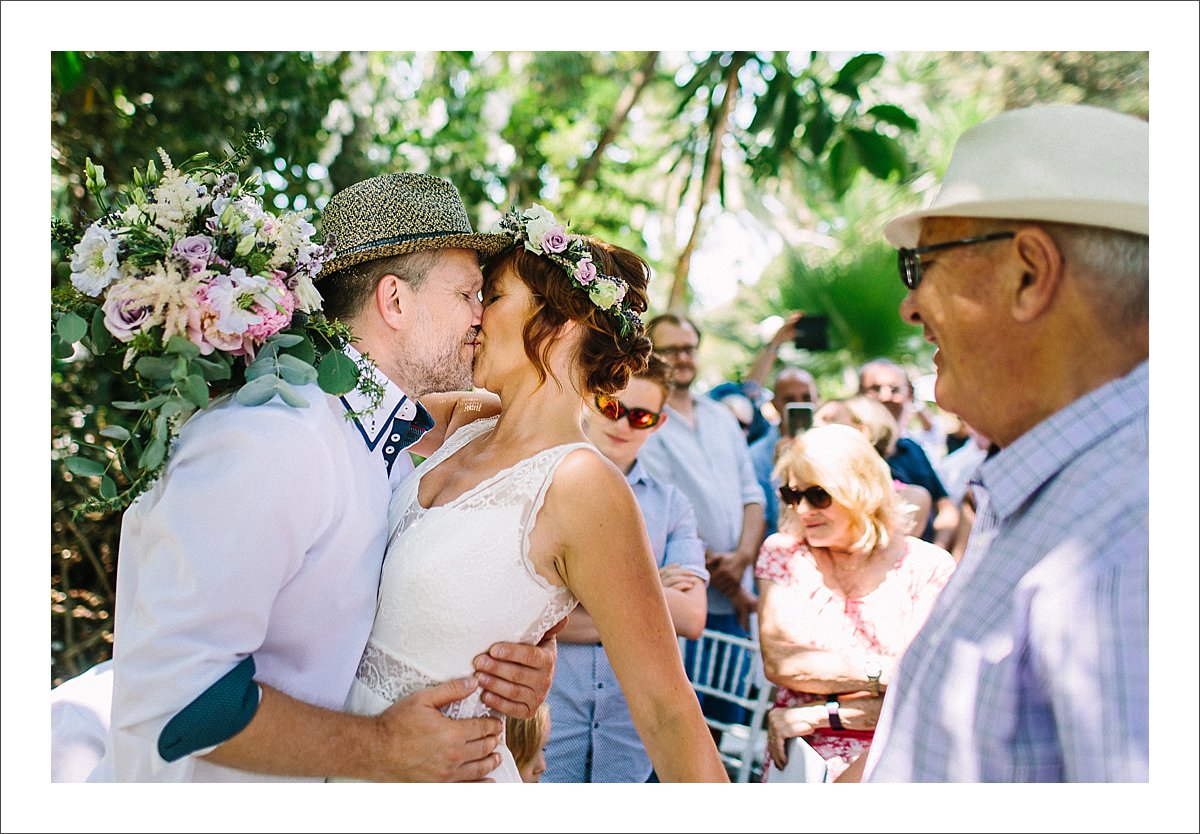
column 842, row 590
column 592, row 735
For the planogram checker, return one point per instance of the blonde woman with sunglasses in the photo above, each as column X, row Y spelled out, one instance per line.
column 842, row 591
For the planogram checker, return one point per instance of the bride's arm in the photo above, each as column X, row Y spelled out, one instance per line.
column 451, row 410
column 605, row 559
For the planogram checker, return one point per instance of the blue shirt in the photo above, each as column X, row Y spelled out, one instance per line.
column 1034, row 664
column 711, row 465
column 592, row 737
column 762, row 456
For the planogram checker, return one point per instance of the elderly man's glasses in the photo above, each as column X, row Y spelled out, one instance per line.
column 614, row 409
column 816, row 497
column 910, row 259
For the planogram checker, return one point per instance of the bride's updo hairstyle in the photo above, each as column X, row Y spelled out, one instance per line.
column 614, row 345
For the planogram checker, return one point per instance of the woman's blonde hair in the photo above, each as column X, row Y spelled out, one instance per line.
column 866, row 414
column 839, row 459
column 526, row 736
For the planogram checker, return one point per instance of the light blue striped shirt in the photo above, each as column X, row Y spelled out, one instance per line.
column 1034, row 664
column 711, row 465
column 592, row 737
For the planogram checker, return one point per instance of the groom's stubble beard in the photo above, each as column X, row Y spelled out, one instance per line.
column 445, row 366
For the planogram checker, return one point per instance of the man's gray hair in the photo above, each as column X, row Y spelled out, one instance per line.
column 1115, row 264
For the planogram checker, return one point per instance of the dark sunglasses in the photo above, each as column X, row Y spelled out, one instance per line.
column 639, row 418
column 816, row 497
column 910, row 259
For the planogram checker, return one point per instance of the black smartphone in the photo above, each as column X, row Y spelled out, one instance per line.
column 812, row 332
column 797, row 418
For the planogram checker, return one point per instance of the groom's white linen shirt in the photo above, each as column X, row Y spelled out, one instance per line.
column 264, row 537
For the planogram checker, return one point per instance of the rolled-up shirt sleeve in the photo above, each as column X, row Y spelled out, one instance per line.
column 684, row 547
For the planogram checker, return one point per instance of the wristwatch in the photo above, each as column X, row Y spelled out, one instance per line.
column 873, row 669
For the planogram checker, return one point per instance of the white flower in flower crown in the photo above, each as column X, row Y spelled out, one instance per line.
column 94, row 262
column 540, row 220
column 605, row 294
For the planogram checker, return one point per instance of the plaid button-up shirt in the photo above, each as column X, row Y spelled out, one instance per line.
column 1034, row 664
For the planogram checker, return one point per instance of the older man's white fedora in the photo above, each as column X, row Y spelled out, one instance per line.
column 1058, row 163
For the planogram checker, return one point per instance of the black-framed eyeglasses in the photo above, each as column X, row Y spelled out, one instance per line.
column 816, row 497
column 910, row 259
column 672, row 351
column 614, row 409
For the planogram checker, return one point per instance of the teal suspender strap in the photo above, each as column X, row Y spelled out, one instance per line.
column 218, row 714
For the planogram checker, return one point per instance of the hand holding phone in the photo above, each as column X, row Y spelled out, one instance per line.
column 797, row 419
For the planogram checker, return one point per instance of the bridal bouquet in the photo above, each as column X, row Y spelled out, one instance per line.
column 188, row 288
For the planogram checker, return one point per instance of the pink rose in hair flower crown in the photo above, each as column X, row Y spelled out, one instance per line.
column 554, row 240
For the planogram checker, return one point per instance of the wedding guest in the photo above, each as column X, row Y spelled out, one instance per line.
column 792, row 385
column 1030, row 272
column 702, row 451
column 229, row 669
column 526, row 740
column 842, row 590
column 593, row 738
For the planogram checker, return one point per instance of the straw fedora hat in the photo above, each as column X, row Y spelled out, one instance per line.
column 1059, row 163
column 395, row 214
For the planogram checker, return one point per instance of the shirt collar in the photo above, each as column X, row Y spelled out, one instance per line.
column 1011, row 475
column 396, row 423
column 637, row 474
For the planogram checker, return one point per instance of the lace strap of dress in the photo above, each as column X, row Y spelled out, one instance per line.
column 547, row 465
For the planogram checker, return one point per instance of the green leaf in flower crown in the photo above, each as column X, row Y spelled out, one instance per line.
column 291, row 396
column 296, row 371
column 183, row 347
column 213, row 370
column 60, row 349
column 144, row 405
column 108, row 489
column 157, row 368
column 101, row 339
column 117, row 433
column 337, row 373
column 195, row 389
column 71, row 328
column 257, row 391
column 285, row 340
column 84, row 467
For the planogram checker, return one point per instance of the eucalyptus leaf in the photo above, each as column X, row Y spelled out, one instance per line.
column 173, row 406
column 144, row 405
column 285, row 340
column 85, row 467
column 180, row 371
column 154, row 454
column 71, row 328
column 258, row 391
column 183, row 347
column 296, row 371
column 262, row 366
column 60, row 349
column 101, row 339
column 213, row 370
column 157, row 368
column 337, row 373
column 303, row 351
column 292, row 397
column 195, row 389
column 108, row 489
column 118, row 433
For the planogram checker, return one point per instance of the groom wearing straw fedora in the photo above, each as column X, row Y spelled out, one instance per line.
column 249, row 572
column 1030, row 274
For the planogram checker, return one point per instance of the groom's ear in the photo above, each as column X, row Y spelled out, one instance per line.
column 393, row 298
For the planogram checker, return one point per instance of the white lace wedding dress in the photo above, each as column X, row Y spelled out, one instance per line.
column 457, row 579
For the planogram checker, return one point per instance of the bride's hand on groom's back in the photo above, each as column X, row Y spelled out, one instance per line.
column 516, row 677
column 420, row 744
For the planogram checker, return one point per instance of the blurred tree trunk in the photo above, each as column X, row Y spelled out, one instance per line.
column 629, row 96
column 708, row 184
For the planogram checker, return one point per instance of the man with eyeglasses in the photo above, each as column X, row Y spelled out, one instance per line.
column 1030, row 273
column 592, row 736
column 701, row 449
column 884, row 381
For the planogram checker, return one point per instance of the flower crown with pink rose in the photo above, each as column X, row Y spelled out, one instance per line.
column 542, row 234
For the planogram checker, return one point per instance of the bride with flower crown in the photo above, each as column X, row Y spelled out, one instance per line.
column 530, row 519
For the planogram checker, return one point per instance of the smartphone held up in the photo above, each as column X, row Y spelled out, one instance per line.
column 797, row 418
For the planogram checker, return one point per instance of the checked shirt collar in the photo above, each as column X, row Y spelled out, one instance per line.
column 397, row 423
